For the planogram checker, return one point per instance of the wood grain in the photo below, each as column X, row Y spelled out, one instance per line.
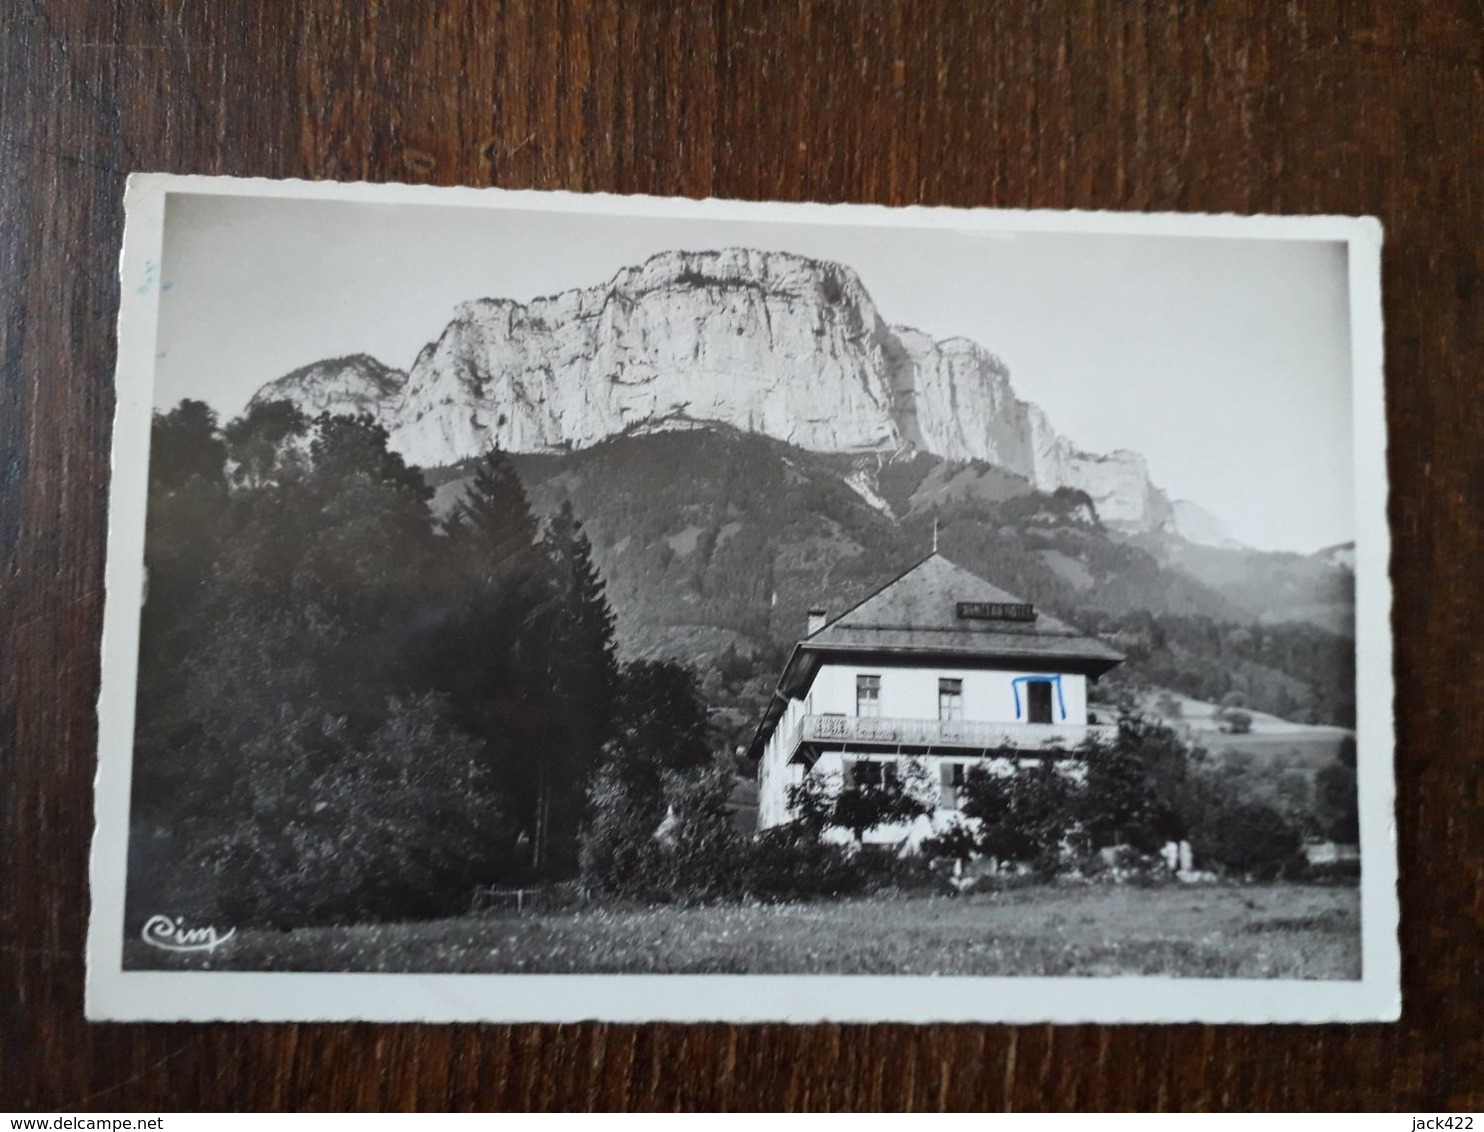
column 1271, row 107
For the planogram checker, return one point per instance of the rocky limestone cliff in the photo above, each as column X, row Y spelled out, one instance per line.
column 347, row 386
column 766, row 342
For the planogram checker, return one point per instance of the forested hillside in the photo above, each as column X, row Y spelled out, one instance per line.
column 715, row 543
column 367, row 692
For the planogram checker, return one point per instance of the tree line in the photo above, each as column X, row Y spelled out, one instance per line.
column 1122, row 799
column 1290, row 669
column 350, row 710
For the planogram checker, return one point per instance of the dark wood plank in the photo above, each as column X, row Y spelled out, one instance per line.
column 1279, row 107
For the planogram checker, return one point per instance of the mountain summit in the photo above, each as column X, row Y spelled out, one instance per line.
column 767, row 342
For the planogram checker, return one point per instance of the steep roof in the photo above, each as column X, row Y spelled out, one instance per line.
column 916, row 615
column 918, row 612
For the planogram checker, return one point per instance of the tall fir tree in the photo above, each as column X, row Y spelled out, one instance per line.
column 584, row 681
column 493, row 528
column 485, row 641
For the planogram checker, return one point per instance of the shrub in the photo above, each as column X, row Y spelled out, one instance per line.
column 1234, row 721
column 899, row 795
column 1137, row 788
column 1249, row 839
column 693, row 858
column 1027, row 817
column 337, row 827
column 1337, row 803
column 1124, row 864
column 956, row 843
column 675, row 844
column 782, row 865
column 883, row 869
column 622, row 818
column 1338, row 873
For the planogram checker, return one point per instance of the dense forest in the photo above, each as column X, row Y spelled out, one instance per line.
column 1293, row 670
column 350, row 709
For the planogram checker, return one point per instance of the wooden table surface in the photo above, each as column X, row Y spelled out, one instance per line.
column 1366, row 107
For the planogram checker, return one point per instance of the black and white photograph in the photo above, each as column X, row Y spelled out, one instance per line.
column 542, row 607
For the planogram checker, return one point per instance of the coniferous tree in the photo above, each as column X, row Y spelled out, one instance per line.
column 493, row 526
column 583, row 679
column 486, row 641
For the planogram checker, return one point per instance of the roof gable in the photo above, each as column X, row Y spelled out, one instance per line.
column 918, row 612
column 915, row 617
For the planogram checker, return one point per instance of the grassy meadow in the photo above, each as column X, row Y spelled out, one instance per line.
column 1255, row 931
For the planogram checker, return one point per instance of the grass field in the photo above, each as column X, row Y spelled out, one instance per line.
column 1276, row 931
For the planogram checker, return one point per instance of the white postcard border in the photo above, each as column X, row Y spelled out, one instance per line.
column 117, row 995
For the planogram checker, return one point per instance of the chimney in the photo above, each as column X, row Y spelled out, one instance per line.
column 817, row 619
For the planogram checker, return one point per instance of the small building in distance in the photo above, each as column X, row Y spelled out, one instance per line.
column 939, row 666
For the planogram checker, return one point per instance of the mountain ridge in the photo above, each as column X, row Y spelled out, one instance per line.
column 787, row 346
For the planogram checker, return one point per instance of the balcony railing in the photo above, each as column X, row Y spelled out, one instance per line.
column 959, row 734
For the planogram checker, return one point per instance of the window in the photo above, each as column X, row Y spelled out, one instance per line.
column 951, row 784
column 871, row 772
column 868, row 696
column 1038, row 701
column 950, row 699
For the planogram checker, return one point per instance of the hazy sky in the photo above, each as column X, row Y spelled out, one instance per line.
column 1225, row 362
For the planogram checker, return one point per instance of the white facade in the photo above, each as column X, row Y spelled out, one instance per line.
column 904, row 722
column 989, row 695
column 939, row 668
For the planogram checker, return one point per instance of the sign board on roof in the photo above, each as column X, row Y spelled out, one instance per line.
column 996, row 611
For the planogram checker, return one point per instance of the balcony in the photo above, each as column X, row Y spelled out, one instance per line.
column 934, row 736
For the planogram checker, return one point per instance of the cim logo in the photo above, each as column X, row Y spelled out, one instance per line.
column 170, row 934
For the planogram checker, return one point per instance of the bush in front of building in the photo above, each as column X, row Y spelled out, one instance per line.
column 1249, row 839
column 1027, row 818
column 1137, row 793
column 692, row 858
column 957, row 842
column 789, row 863
column 886, row 869
column 896, row 796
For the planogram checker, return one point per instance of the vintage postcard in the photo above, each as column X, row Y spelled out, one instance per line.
column 533, row 606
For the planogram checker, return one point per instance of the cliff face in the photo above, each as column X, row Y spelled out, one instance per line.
column 340, row 386
column 766, row 342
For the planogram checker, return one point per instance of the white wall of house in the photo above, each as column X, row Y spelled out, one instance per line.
column 989, row 695
column 834, row 764
column 775, row 776
column 912, row 693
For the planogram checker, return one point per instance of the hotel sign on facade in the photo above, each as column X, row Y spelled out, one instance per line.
column 995, row 611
